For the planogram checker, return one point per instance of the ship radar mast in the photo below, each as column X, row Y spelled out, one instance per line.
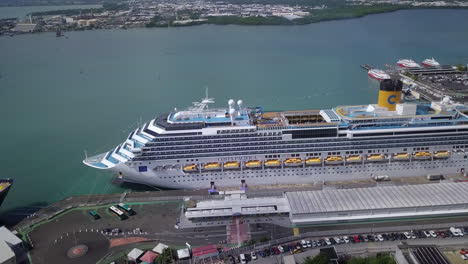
column 201, row 106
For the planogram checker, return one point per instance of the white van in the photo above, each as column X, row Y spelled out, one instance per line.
column 242, row 259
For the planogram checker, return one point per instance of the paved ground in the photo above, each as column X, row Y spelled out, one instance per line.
column 156, row 221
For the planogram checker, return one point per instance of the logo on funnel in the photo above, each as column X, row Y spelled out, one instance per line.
column 391, row 99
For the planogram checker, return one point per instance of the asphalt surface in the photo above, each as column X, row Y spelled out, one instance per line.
column 155, row 220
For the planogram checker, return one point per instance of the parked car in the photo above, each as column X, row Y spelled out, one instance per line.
column 308, row 243
column 253, row 255
column 346, row 239
column 337, row 240
column 327, row 241
column 281, row 249
column 380, row 237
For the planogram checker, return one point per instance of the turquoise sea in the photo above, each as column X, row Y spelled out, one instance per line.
column 60, row 97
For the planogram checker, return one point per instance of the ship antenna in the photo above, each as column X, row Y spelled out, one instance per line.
column 86, row 154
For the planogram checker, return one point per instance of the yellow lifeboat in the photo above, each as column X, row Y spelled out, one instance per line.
column 293, row 162
column 231, row 165
column 422, row 155
column 272, row 163
column 334, row 160
column 353, row 158
column 376, row 157
column 313, row 161
column 401, row 156
column 443, row 154
column 212, row 166
column 190, row 168
column 253, row 164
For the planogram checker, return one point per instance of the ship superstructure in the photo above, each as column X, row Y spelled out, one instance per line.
column 201, row 146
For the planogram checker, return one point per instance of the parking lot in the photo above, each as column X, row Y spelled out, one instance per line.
column 353, row 243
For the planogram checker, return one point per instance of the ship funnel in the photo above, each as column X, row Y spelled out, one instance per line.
column 390, row 93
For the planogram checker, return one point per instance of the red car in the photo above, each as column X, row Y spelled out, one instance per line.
column 442, row 234
column 276, row 250
column 356, row 239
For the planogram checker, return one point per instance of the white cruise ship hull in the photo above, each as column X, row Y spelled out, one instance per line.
column 177, row 179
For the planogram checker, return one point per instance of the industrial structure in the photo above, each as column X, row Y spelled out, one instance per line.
column 331, row 206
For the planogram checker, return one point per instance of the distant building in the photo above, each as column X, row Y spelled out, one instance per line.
column 12, row 250
column 25, row 28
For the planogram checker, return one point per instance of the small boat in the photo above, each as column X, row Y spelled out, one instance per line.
column 293, row 162
column 406, row 63
column 430, row 63
column 212, row 166
column 190, row 168
column 59, row 34
column 272, row 163
column 376, row 157
column 422, row 155
column 313, row 161
column 443, row 154
column 353, row 159
column 231, row 165
column 401, row 156
column 253, row 164
column 334, row 160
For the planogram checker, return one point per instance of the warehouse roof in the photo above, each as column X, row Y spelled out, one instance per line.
column 332, row 200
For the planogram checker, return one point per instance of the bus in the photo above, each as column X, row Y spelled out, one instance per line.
column 126, row 208
column 118, row 212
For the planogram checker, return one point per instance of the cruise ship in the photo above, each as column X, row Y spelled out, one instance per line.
column 406, row 63
column 430, row 63
column 378, row 74
column 202, row 147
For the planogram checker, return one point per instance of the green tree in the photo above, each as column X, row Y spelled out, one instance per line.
column 263, row 239
column 165, row 257
column 321, row 258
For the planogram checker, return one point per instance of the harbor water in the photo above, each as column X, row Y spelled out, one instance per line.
column 63, row 97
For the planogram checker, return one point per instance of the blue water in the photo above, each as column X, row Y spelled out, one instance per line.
column 62, row 96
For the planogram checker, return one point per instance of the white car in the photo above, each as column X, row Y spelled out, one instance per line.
column 281, row 249
column 407, row 235
column 380, row 238
column 346, row 239
column 308, row 243
column 454, row 231
column 327, row 240
column 427, row 234
column 253, row 255
column 460, row 232
column 432, row 233
column 464, row 257
column 303, row 243
column 337, row 239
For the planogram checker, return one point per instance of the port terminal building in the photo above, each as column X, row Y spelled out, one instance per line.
column 332, row 206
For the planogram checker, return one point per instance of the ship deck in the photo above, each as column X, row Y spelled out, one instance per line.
column 298, row 118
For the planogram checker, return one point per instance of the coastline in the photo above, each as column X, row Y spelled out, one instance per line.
column 329, row 14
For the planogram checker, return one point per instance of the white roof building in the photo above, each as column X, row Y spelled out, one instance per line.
column 183, row 253
column 9, row 244
column 160, row 248
column 134, row 254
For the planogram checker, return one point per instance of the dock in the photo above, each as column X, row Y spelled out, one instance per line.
column 445, row 69
column 367, row 67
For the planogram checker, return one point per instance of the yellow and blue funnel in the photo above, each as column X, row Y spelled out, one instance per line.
column 390, row 93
